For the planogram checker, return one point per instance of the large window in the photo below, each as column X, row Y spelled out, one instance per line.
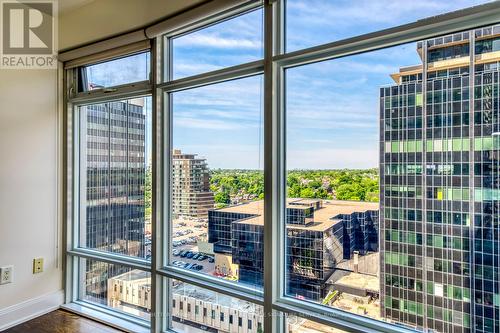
column 193, row 307
column 115, row 176
column 232, row 42
column 314, row 22
column 133, row 68
column 332, row 207
column 217, row 182
column 286, row 173
column 115, row 286
column 111, row 180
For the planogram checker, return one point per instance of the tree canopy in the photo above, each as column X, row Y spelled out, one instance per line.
column 242, row 185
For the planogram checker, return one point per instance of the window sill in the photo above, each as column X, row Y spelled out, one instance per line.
column 105, row 318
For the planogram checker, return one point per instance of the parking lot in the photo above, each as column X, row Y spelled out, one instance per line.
column 186, row 234
column 208, row 267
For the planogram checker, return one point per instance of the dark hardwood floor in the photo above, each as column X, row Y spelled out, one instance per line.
column 60, row 321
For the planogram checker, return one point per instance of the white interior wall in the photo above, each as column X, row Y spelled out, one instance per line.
column 29, row 225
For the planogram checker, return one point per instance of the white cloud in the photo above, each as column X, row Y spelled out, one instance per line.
column 351, row 13
column 313, row 22
column 184, row 67
column 214, row 41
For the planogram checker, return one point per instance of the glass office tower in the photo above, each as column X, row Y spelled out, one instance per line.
column 114, row 174
column 320, row 234
column 439, row 168
column 112, row 177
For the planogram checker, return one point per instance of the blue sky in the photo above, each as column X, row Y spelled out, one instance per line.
column 120, row 71
column 332, row 106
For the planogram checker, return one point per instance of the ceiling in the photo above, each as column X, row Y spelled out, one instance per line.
column 85, row 21
column 69, row 5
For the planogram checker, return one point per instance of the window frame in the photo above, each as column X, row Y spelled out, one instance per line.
column 160, row 86
column 79, row 92
column 165, row 89
column 71, row 186
column 461, row 20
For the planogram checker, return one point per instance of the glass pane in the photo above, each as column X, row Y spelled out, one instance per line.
column 314, row 22
column 424, row 256
column 217, row 180
column 194, row 309
column 130, row 69
column 232, row 42
column 115, row 176
column 296, row 324
column 118, row 287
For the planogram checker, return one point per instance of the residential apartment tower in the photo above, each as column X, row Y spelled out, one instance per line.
column 191, row 195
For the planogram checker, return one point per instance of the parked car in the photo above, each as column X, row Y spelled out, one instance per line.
column 195, row 256
column 189, row 255
column 175, row 252
column 211, row 259
column 178, row 263
column 184, row 253
column 198, row 267
column 202, row 257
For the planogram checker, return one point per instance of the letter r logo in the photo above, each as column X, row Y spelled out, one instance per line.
column 27, row 27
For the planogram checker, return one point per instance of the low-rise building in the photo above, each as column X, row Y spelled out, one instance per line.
column 211, row 311
column 196, row 307
column 130, row 291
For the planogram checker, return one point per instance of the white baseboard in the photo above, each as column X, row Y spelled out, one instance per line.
column 32, row 308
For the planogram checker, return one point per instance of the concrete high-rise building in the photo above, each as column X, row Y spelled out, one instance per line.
column 440, row 163
column 191, row 195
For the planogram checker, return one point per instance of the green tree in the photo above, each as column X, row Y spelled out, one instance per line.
column 350, row 192
column 341, row 184
column 307, row 193
column 222, row 198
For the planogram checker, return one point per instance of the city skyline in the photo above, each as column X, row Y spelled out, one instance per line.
column 206, row 113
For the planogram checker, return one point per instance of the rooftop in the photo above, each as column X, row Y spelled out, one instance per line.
column 179, row 155
column 323, row 217
column 136, row 277
column 357, row 281
column 133, row 275
column 205, row 295
column 451, row 40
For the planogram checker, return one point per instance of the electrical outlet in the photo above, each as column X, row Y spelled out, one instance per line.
column 37, row 265
column 6, row 274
